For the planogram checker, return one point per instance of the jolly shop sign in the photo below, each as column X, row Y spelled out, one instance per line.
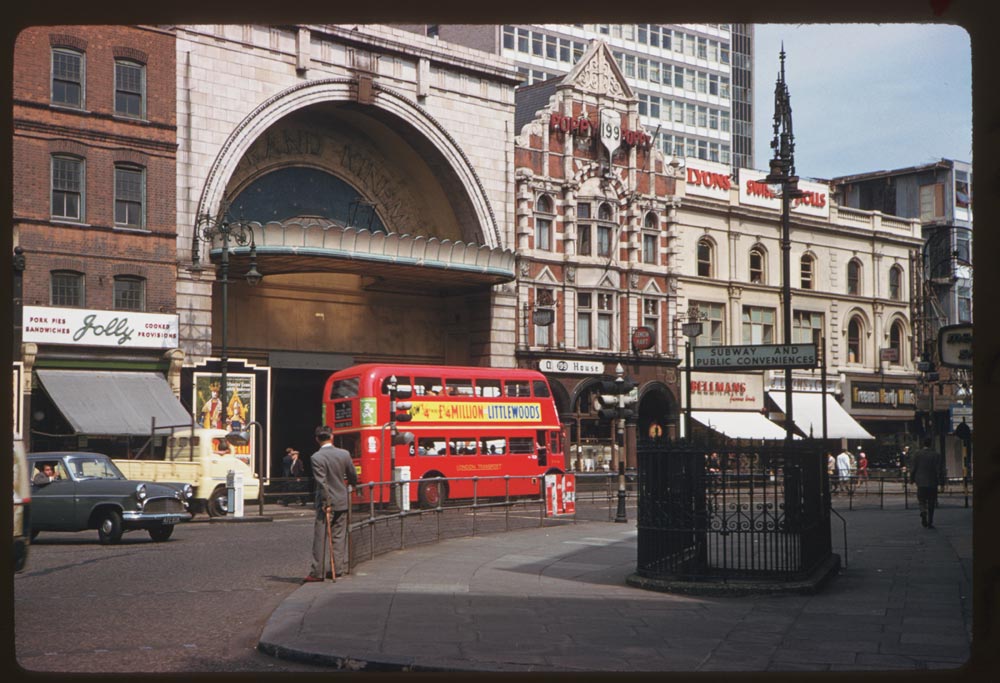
column 83, row 327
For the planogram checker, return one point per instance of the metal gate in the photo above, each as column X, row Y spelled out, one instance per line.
column 731, row 510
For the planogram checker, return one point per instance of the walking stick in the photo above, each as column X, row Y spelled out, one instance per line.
column 329, row 536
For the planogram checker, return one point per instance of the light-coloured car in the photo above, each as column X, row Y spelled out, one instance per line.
column 203, row 460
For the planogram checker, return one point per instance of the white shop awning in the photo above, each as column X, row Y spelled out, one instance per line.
column 807, row 413
column 739, row 424
column 113, row 403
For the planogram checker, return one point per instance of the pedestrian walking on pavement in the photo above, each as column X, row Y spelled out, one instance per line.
column 331, row 466
column 844, row 470
column 831, row 471
column 925, row 472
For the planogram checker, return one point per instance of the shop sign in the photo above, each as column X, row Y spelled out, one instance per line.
column 875, row 395
column 579, row 125
column 707, row 179
column 642, row 338
column 83, row 327
column 727, row 391
column 955, row 346
column 815, row 200
column 754, row 357
column 571, row 367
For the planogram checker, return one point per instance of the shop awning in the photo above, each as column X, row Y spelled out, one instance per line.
column 807, row 413
column 113, row 403
column 739, row 425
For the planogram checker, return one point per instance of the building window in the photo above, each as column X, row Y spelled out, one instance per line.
column 543, row 333
column 704, row 258
column 758, row 325
column 965, row 304
column 67, row 77
column 583, row 230
column 583, row 313
column 605, row 320
column 807, row 327
column 807, row 272
column 931, row 201
column 130, row 184
column 508, row 37
column 67, row 188
column 713, row 326
column 757, row 265
column 605, row 232
column 854, row 341
column 963, row 194
column 853, row 277
column 543, row 223
column 651, row 319
column 650, row 239
column 66, row 288
column 130, row 293
column 895, row 283
column 896, row 341
column 130, row 88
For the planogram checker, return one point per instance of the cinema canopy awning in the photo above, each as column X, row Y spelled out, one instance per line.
column 739, row 425
column 113, row 403
column 807, row 413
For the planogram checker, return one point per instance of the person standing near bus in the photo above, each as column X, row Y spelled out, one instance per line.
column 331, row 466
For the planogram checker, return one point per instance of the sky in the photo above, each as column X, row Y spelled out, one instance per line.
column 866, row 97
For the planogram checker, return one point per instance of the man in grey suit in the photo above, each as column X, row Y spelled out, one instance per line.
column 331, row 466
column 925, row 472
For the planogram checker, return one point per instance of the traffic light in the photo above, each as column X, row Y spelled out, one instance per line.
column 401, row 411
column 630, row 396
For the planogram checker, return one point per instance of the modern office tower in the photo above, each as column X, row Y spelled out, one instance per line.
column 694, row 81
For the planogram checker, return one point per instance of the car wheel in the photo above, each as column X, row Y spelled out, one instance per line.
column 161, row 533
column 218, row 503
column 109, row 527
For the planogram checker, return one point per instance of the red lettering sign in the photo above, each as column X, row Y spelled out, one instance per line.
column 708, row 179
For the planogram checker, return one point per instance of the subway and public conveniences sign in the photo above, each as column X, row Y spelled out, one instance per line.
column 754, row 357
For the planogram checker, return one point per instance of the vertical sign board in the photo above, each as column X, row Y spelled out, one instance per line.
column 17, row 400
column 560, row 494
column 611, row 130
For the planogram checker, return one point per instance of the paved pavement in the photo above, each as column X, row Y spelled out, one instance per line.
column 556, row 599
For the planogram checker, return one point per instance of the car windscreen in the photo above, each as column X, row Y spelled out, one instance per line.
column 94, row 468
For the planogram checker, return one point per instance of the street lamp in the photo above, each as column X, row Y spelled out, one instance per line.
column 238, row 233
column 782, row 179
column 692, row 330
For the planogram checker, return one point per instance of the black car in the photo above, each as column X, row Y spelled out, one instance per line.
column 75, row 491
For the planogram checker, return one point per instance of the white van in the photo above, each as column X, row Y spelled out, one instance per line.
column 203, row 461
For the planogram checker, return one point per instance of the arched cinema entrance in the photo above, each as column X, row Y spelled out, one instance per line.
column 374, row 236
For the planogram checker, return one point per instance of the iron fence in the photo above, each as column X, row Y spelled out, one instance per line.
column 748, row 510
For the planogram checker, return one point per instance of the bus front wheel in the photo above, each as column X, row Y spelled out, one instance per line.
column 432, row 494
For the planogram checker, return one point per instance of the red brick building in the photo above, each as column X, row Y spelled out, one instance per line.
column 594, row 211
column 94, row 149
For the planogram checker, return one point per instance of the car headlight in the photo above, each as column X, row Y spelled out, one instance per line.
column 188, row 491
column 140, row 492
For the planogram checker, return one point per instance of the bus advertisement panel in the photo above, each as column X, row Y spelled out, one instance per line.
column 466, row 422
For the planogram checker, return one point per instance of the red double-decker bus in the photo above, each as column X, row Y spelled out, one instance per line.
column 466, row 422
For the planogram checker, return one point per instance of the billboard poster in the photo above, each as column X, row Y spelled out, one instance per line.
column 239, row 412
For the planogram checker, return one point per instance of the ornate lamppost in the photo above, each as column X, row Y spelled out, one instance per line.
column 691, row 330
column 783, row 180
column 232, row 233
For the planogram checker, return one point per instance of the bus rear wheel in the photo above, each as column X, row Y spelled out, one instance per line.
column 431, row 494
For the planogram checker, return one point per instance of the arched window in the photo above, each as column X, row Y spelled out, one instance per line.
column 68, row 184
column 605, row 230
column 68, row 77
column 854, row 330
column 807, row 271
column 130, row 293
column 705, row 258
column 853, row 277
column 130, row 196
column 896, row 341
column 66, row 288
column 896, row 283
column 757, row 265
column 543, row 223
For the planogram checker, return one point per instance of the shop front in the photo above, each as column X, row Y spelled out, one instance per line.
column 887, row 409
column 731, row 405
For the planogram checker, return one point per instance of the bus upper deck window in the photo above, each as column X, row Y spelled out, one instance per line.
column 517, row 388
column 488, row 388
column 541, row 388
column 459, row 387
column 345, row 388
column 427, row 386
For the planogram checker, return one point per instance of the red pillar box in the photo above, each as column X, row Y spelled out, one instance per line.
column 560, row 494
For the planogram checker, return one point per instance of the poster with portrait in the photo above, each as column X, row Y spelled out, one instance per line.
column 235, row 414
